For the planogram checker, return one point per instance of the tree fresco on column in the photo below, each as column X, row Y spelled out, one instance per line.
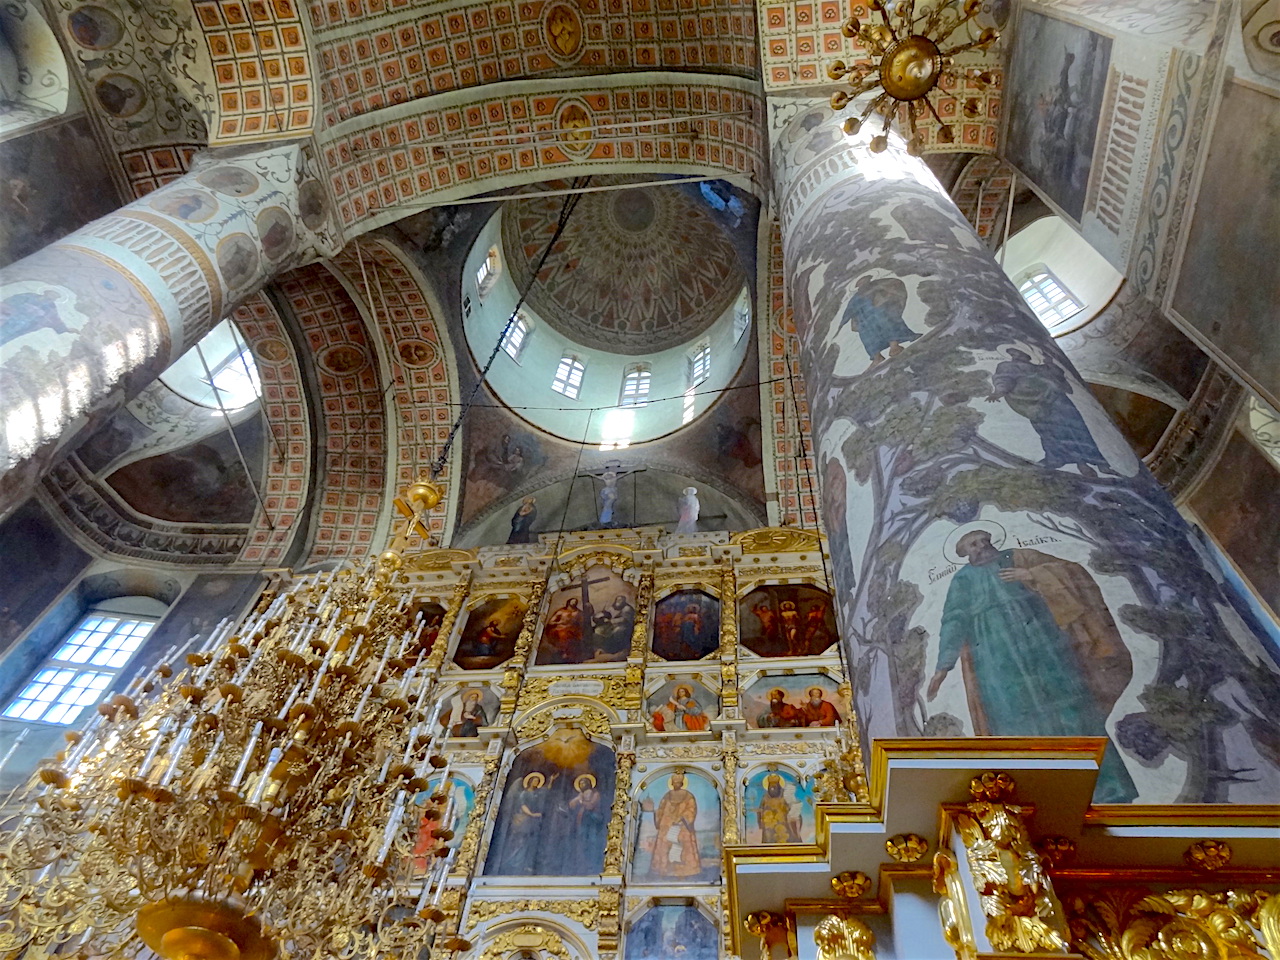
column 1006, row 565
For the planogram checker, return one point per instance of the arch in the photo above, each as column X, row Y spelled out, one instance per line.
column 531, row 938
column 423, row 372
column 783, row 817
column 34, row 83
column 349, row 489
column 678, row 811
column 375, row 190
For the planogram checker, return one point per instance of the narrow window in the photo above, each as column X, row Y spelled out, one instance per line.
column 81, row 669
column 635, row 386
column 1048, row 299
column 700, row 364
column 741, row 316
column 690, row 404
column 513, row 339
column 490, row 267
column 568, row 378
column 466, row 308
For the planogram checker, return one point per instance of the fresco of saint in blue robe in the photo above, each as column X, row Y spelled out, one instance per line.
column 876, row 313
column 1025, row 675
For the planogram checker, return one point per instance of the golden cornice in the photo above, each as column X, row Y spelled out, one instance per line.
column 776, row 540
column 1183, row 815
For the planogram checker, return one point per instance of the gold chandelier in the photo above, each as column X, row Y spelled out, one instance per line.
column 283, row 795
column 904, row 58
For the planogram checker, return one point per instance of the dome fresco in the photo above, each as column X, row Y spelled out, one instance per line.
column 622, row 278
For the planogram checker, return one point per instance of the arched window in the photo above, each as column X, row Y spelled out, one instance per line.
column 635, row 386
column 488, row 272
column 568, row 378
column 89, row 658
column 515, row 336
column 700, row 364
column 1048, row 298
column 218, row 372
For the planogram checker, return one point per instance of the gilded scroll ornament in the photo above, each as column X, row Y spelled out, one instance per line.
column 524, row 643
column 776, row 540
column 906, row 847
column 843, row 938
column 730, row 797
column 437, row 559
column 613, row 847
column 470, row 845
column 765, row 924
column 584, row 912
column 435, row 659
column 1208, row 855
column 952, row 915
column 1190, row 924
column 728, row 634
column 1013, row 886
column 530, row 937
column 1056, row 851
column 640, row 632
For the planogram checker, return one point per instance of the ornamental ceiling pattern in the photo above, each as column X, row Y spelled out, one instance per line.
column 390, row 164
column 377, row 53
column 624, row 276
column 982, row 194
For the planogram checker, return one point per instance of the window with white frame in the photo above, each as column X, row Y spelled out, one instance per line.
column 219, row 372
column 81, row 668
column 515, row 336
column 700, row 364
column 741, row 316
column 635, row 386
column 568, row 378
column 1048, row 299
column 488, row 271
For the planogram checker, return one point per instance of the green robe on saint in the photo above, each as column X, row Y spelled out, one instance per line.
column 1021, row 673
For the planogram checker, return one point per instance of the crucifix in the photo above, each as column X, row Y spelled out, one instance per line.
column 610, row 476
column 561, row 624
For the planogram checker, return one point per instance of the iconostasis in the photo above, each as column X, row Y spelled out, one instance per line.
column 616, row 715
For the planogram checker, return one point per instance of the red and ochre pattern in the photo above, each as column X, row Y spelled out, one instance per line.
column 150, row 167
column 419, row 352
column 380, row 169
column 262, row 68
column 284, row 404
column 352, row 477
column 786, row 406
column 404, row 53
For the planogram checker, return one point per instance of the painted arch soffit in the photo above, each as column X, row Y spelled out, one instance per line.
column 402, row 159
column 374, row 54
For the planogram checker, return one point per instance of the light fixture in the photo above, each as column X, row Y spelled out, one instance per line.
column 904, row 58
column 284, row 795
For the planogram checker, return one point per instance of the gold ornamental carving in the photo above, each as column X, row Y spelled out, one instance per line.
column 591, row 720
column 436, row 560
column 470, row 844
column 1013, row 887
column 1207, row 855
column 776, row 540
column 614, row 854
column 728, row 634
column 435, row 659
column 524, row 644
column 952, row 911
column 522, row 940
column 608, row 922
column 1056, row 851
column 562, row 28
column 906, row 847
column 584, row 912
column 843, row 938
column 729, row 800
column 577, row 562
column 851, row 884
column 1190, row 924
column 644, row 601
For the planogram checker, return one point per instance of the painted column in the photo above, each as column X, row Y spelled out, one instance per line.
column 1004, row 564
column 89, row 321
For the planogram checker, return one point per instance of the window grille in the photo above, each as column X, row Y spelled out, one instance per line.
column 700, row 365
column 1048, row 299
column 568, row 378
column 635, row 386
column 514, row 338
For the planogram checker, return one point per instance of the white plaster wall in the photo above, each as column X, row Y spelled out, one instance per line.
column 1085, row 273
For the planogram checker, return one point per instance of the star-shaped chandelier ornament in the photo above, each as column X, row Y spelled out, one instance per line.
column 904, row 57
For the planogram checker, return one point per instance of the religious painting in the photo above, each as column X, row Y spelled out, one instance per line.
column 489, row 637
column 682, row 706
column 672, row 930
column 467, row 709
column 457, row 814
column 790, row 620
column 503, row 459
column 555, row 809
column 1054, row 94
column 1229, row 280
column 777, row 807
column 590, row 621
column 686, row 625
column 428, row 617
column 678, row 834
column 799, row 700
column 1037, row 650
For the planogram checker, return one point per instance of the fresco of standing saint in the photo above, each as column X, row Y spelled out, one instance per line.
column 462, row 797
column 777, row 808
column 875, row 312
column 679, row 832
column 1039, row 652
column 686, row 625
